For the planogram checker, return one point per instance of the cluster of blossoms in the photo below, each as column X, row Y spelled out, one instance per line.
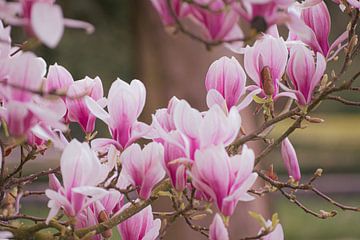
column 187, row 146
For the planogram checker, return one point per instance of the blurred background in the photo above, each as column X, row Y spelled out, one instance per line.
column 130, row 42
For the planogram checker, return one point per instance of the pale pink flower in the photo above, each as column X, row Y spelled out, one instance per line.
column 263, row 14
column 290, row 159
column 22, row 109
column 218, row 230
column 143, row 167
column 270, row 52
column 125, row 104
column 141, row 226
column 312, row 26
column 77, row 108
column 219, row 23
column 225, row 83
column 179, row 8
column 81, row 172
column 224, row 179
column 41, row 18
column 58, row 80
column 205, row 129
column 304, row 73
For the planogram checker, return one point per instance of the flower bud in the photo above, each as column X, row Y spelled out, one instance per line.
column 290, row 159
column 102, row 217
column 267, row 81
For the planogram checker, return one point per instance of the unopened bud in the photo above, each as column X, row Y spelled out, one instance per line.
column 268, row 84
column 314, row 119
column 102, row 217
column 319, row 172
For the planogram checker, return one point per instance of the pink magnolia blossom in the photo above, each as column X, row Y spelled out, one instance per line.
column 77, row 108
column 219, row 23
column 125, row 104
column 312, row 26
column 202, row 130
column 225, row 83
column 290, row 159
column 224, row 179
column 262, row 14
column 180, row 9
column 271, row 53
column 141, row 226
column 218, row 230
column 106, row 206
column 304, row 73
column 143, row 167
column 21, row 109
column 164, row 132
column 81, row 171
column 59, row 80
column 41, row 18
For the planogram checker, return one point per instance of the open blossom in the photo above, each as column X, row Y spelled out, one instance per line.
column 21, row 109
column 180, row 9
column 58, row 80
column 141, row 226
column 304, row 73
column 217, row 230
column 312, row 26
column 143, row 167
column 100, row 211
column 219, row 23
column 264, row 13
column 225, row 83
column 211, row 128
column 265, row 63
column 81, row 171
column 224, row 179
column 77, row 108
column 125, row 104
column 164, row 132
column 290, row 159
column 41, row 18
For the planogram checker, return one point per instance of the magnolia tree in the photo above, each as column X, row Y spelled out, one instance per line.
column 198, row 159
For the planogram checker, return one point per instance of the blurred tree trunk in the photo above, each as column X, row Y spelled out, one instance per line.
column 174, row 65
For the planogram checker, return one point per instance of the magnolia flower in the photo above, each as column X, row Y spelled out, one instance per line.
column 41, row 18
column 265, row 63
column 22, row 110
column 290, row 159
column 125, row 104
column 141, row 226
column 77, row 108
column 202, row 130
column 224, row 179
column 312, row 26
column 262, row 14
column 180, row 9
column 58, row 80
column 218, row 230
column 219, row 23
column 165, row 132
column 225, row 83
column 304, row 74
column 143, row 167
column 81, row 172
